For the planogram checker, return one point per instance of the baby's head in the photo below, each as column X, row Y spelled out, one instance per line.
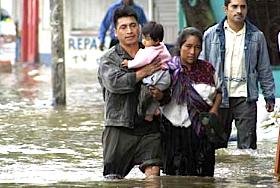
column 152, row 34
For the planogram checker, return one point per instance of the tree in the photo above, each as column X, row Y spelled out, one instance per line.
column 198, row 13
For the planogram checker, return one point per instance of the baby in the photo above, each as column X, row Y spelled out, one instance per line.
column 152, row 37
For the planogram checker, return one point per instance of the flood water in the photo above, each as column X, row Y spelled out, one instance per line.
column 61, row 147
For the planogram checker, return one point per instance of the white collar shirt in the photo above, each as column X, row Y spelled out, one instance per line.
column 235, row 73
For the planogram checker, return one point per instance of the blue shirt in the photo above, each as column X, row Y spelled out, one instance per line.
column 107, row 22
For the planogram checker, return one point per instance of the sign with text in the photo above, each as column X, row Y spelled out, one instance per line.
column 82, row 51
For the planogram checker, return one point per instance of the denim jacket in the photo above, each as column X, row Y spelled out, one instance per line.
column 257, row 63
column 120, row 88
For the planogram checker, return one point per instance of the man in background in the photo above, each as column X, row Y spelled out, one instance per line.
column 238, row 51
column 107, row 22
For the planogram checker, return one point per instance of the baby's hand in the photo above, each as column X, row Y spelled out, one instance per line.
column 124, row 63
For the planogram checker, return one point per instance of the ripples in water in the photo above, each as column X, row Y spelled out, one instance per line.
column 45, row 146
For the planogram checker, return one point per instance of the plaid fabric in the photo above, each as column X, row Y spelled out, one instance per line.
column 200, row 72
column 183, row 91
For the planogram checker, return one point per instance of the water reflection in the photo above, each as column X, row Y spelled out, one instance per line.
column 45, row 146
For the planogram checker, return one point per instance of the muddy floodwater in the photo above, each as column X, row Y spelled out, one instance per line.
column 61, row 147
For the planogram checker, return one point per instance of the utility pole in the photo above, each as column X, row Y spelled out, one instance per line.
column 58, row 56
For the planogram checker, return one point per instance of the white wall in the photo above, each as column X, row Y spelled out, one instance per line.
column 83, row 17
column 7, row 5
column 165, row 12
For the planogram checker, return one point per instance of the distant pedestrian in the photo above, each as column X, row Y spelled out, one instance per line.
column 107, row 22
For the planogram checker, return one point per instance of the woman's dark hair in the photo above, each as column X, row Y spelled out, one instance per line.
column 226, row 2
column 124, row 11
column 184, row 34
column 154, row 30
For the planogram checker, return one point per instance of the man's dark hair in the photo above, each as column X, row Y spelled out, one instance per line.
column 124, row 11
column 229, row 1
column 154, row 30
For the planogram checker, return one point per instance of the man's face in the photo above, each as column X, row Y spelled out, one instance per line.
column 128, row 2
column 127, row 30
column 236, row 11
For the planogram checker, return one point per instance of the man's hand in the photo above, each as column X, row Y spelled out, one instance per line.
column 156, row 93
column 101, row 46
column 148, row 70
column 152, row 68
column 124, row 63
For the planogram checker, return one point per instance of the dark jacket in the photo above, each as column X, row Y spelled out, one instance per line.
column 120, row 88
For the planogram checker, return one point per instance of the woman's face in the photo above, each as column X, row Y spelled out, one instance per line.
column 190, row 50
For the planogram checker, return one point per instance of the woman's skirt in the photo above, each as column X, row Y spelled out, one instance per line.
column 184, row 153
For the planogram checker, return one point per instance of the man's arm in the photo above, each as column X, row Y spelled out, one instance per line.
column 143, row 57
column 143, row 18
column 104, row 26
column 265, row 75
column 115, row 78
column 148, row 70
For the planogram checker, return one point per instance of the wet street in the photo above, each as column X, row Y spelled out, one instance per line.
column 61, row 147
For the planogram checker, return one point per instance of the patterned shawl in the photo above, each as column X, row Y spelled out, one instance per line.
column 183, row 92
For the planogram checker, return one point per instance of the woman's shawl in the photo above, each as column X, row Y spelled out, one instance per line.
column 183, row 92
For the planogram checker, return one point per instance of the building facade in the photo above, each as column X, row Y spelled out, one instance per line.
column 81, row 23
